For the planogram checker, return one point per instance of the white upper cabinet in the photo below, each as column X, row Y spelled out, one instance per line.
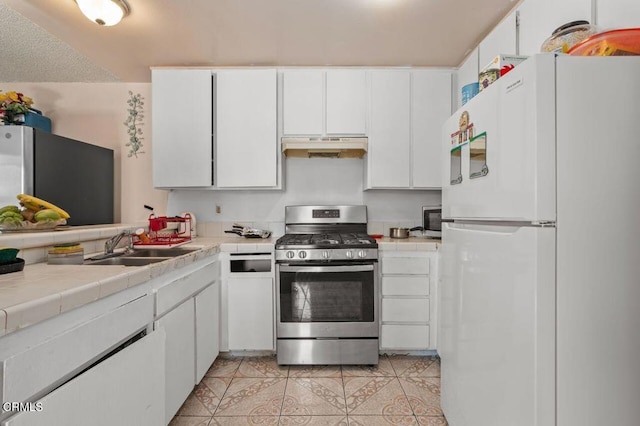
column 181, row 128
column 501, row 40
column 407, row 111
column 618, row 14
column 246, row 128
column 317, row 102
column 346, row 102
column 430, row 108
column 390, row 130
column 539, row 18
column 303, row 102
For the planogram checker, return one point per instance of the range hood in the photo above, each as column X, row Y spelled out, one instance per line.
column 326, row 147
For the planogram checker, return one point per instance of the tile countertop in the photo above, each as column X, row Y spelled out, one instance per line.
column 42, row 291
column 408, row 244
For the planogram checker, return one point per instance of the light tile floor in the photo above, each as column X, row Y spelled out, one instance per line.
column 400, row 390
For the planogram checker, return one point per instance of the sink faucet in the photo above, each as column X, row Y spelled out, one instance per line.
column 112, row 242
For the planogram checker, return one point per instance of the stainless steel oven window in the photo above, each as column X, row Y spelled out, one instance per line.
column 314, row 301
column 326, row 294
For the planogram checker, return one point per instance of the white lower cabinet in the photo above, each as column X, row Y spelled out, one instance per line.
column 91, row 365
column 250, row 313
column 179, row 355
column 126, row 388
column 187, row 309
column 408, row 310
column 404, row 337
column 207, row 317
column 96, row 364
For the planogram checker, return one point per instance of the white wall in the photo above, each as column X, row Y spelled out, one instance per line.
column 95, row 113
column 307, row 181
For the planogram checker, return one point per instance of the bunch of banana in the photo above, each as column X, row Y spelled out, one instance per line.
column 43, row 210
column 34, row 210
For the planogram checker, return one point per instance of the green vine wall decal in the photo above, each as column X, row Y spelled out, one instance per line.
column 133, row 123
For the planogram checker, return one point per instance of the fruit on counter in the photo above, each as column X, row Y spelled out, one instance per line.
column 10, row 217
column 10, row 208
column 28, row 215
column 46, row 214
column 36, row 204
column 11, row 214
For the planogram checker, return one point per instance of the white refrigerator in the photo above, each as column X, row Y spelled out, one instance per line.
column 540, row 285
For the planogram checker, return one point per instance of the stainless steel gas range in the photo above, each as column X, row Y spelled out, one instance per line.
column 327, row 287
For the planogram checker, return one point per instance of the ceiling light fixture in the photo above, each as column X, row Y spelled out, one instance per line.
column 104, row 12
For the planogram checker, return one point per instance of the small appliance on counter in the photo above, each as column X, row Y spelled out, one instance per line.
column 432, row 221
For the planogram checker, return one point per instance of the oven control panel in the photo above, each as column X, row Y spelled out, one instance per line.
column 326, row 214
column 334, row 254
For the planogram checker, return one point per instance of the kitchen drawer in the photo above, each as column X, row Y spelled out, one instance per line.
column 405, row 310
column 54, row 361
column 405, row 265
column 405, row 285
column 126, row 388
column 175, row 292
column 411, row 337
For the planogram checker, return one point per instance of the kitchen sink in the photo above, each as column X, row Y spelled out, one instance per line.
column 138, row 257
column 126, row 261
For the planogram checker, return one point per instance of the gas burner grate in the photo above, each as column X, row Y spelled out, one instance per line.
column 351, row 239
column 326, row 239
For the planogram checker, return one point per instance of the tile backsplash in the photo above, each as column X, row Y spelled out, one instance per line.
column 216, row 229
column 34, row 247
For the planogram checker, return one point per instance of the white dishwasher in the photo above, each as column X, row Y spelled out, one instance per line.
column 248, row 289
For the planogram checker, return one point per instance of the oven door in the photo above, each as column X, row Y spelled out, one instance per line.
column 327, row 301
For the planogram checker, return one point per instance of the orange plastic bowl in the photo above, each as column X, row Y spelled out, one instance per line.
column 625, row 42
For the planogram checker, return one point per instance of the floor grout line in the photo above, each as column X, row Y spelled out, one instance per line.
column 368, row 374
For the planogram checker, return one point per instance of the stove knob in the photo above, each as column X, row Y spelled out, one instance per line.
column 349, row 254
column 362, row 254
column 302, row 254
column 325, row 254
column 290, row 254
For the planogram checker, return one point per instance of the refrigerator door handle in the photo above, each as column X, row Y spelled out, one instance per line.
column 486, row 228
column 510, row 223
column 494, row 228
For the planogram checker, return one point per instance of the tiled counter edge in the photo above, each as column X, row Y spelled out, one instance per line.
column 42, row 291
column 34, row 245
column 408, row 244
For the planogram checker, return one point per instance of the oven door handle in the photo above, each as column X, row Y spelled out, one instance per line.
column 354, row 268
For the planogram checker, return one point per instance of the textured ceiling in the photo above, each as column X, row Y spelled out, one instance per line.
column 28, row 53
column 50, row 40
